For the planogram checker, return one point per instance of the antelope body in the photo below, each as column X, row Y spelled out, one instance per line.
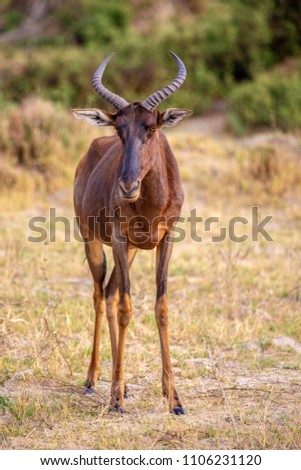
column 128, row 195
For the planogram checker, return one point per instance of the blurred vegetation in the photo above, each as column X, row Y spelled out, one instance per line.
column 39, row 145
column 232, row 50
column 272, row 100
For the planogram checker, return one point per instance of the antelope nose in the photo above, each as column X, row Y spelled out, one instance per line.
column 129, row 190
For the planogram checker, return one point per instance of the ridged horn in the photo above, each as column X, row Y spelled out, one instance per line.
column 156, row 98
column 112, row 98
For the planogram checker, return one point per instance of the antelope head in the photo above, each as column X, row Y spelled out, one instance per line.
column 136, row 125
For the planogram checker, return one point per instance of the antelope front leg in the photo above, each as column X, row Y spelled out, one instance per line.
column 124, row 313
column 112, row 296
column 161, row 310
column 97, row 263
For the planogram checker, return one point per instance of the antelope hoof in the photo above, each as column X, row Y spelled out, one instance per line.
column 116, row 409
column 178, row 410
column 89, row 389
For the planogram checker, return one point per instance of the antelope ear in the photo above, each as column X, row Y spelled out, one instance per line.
column 95, row 117
column 172, row 116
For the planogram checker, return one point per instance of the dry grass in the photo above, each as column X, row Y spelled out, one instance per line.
column 39, row 147
column 228, row 302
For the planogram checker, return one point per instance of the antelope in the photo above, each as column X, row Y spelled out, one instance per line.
column 129, row 176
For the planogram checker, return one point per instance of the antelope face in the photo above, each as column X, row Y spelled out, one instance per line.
column 137, row 128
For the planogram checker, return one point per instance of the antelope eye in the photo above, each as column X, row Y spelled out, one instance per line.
column 152, row 129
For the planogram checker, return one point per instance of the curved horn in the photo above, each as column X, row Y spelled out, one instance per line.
column 156, row 98
column 115, row 100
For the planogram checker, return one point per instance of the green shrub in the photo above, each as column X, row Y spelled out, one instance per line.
column 285, row 21
column 12, row 19
column 61, row 75
column 272, row 100
column 94, row 21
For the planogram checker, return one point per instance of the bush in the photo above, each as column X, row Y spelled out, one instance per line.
column 272, row 100
column 93, row 21
column 285, row 20
column 62, row 75
column 41, row 142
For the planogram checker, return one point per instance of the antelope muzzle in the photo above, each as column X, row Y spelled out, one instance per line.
column 129, row 192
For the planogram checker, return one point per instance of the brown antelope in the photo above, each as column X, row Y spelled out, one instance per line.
column 131, row 176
